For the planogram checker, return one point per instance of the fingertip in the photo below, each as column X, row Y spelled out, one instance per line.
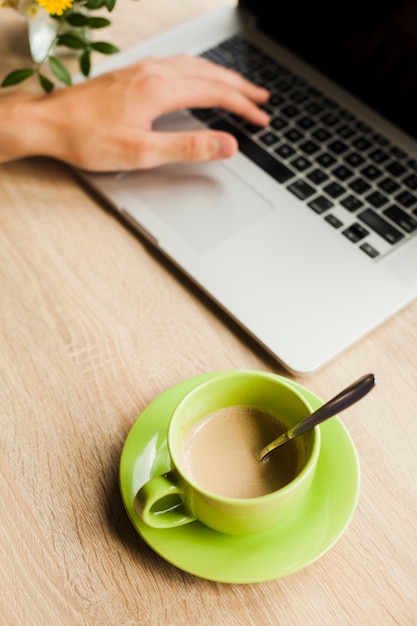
column 225, row 146
column 263, row 93
column 263, row 117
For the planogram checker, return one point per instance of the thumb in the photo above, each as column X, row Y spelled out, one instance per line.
column 190, row 146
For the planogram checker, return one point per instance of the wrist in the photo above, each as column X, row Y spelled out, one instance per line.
column 23, row 129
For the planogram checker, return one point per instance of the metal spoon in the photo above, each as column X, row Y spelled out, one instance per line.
column 342, row 401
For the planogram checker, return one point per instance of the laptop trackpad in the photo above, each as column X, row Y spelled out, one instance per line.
column 202, row 203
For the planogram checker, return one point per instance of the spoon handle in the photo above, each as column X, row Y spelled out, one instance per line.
column 342, row 401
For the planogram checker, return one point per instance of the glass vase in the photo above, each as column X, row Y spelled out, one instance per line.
column 42, row 31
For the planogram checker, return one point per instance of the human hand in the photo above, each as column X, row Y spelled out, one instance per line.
column 106, row 123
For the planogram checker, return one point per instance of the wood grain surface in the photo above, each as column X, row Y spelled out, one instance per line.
column 93, row 326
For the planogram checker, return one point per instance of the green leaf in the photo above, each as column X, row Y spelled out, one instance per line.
column 73, row 41
column 85, row 63
column 98, row 22
column 46, row 84
column 104, row 47
column 16, row 77
column 94, row 4
column 77, row 19
column 110, row 4
column 60, row 70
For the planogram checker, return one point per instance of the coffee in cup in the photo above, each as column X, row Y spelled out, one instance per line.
column 219, row 453
column 214, row 435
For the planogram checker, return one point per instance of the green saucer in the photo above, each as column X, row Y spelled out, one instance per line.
column 287, row 548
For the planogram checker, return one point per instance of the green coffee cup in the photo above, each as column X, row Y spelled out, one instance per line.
column 214, row 434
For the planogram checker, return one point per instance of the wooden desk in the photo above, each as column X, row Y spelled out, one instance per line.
column 94, row 326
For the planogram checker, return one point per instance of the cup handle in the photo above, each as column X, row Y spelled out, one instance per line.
column 159, row 503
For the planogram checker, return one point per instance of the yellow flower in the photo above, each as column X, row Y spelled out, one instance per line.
column 55, row 7
column 32, row 10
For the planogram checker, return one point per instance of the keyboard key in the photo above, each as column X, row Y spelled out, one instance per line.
column 317, row 177
column 338, row 147
column 334, row 190
column 377, row 199
column 252, row 129
column 267, row 75
column 329, row 119
column 388, row 185
column 345, row 131
column 333, row 221
column 268, row 138
column 278, row 123
column 355, row 232
column 298, row 96
column 306, row 123
column 369, row 250
column 301, row 189
column 276, row 100
column 359, row 185
column 379, row 156
column 354, row 159
column 249, row 148
column 267, row 107
column 215, row 55
column 396, row 169
column 342, row 173
column 285, row 151
column 371, row 172
column 326, row 160
column 309, row 147
column 314, row 108
column 290, row 111
column 383, row 141
column 347, row 115
column 321, row 134
column 411, row 181
column 397, row 152
column 351, row 203
column 293, row 135
column 329, row 103
column 362, row 144
column 301, row 164
column 380, row 226
column 282, row 85
column 320, row 204
column 401, row 218
column 406, row 198
column 364, row 128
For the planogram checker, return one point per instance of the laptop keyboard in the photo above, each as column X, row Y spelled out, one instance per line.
column 355, row 179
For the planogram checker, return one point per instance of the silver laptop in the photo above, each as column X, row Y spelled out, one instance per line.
column 306, row 237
